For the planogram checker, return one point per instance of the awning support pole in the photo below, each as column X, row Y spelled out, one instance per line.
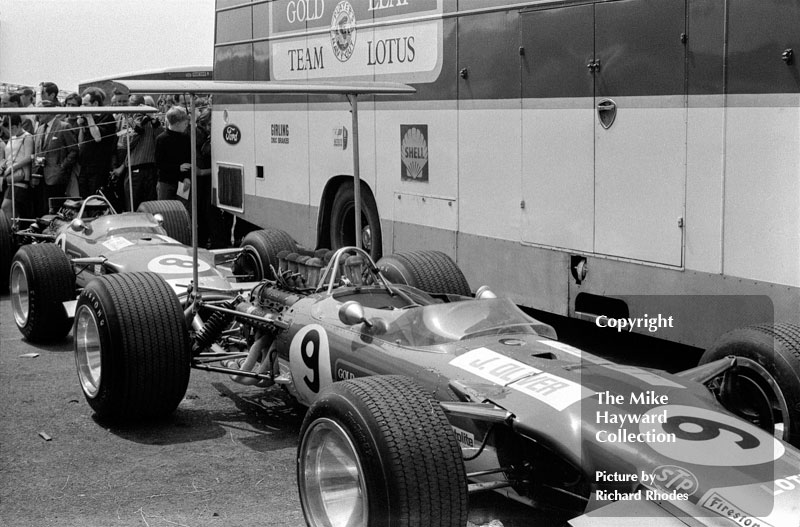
column 193, row 191
column 356, row 169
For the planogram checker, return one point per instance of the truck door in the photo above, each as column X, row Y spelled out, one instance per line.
column 557, row 127
column 603, row 92
column 639, row 68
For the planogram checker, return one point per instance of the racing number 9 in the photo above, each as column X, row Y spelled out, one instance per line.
column 705, row 437
column 309, row 360
column 708, row 430
column 309, row 350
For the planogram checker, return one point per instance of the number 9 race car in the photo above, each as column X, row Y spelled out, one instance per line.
column 420, row 393
column 60, row 253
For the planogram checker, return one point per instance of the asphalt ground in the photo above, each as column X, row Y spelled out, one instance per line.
column 225, row 458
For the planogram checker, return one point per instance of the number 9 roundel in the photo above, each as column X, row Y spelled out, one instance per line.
column 706, row 437
column 310, row 361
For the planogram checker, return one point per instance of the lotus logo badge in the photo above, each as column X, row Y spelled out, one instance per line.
column 343, row 31
column 606, row 112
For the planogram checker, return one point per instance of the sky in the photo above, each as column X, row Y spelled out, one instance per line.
column 68, row 41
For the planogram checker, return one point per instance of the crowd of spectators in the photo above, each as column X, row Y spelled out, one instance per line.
column 54, row 155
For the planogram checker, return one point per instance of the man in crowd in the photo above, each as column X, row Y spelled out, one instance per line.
column 142, row 159
column 58, row 151
column 97, row 139
column 50, row 93
column 27, row 97
column 173, row 154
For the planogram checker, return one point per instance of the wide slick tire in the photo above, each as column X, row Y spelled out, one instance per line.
column 6, row 249
column 378, row 452
column 431, row 271
column 176, row 219
column 768, row 367
column 342, row 224
column 260, row 254
column 41, row 280
column 132, row 347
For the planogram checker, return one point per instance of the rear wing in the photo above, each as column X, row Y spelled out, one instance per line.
column 351, row 90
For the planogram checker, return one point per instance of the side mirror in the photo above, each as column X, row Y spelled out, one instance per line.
column 77, row 225
column 352, row 313
column 159, row 218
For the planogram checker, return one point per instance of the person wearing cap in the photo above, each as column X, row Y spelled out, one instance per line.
column 56, row 153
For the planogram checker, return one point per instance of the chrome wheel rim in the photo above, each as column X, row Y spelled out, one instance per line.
column 20, row 294
column 332, row 487
column 758, row 388
column 88, row 351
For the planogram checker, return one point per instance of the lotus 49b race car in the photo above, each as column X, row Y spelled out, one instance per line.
column 420, row 393
column 60, row 253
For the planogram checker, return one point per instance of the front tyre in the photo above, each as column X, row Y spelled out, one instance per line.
column 343, row 221
column 260, row 254
column 132, row 347
column 377, row 451
column 175, row 218
column 431, row 271
column 766, row 387
column 6, row 249
column 41, row 280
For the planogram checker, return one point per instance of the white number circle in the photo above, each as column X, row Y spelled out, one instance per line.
column 310, row 361
column 175, row 264
column 706, row 437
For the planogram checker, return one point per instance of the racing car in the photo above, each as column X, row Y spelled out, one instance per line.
column 421, row 392
column 60, row 253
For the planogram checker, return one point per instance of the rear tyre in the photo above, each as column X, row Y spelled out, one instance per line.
column 132, row 347
column 6, row 249
column 431, row 271
column 377, row 451
column 766, row 387
column 41, row 280
column 343, row 223
column 176, row 218
column 260, row 254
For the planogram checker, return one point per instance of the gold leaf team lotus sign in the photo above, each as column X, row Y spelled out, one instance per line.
column 346, row 39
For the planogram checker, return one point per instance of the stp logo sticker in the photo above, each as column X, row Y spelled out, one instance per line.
column 673, row 477
column 175, row 264
column 231, row 134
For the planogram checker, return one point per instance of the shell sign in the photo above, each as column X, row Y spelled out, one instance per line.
column 414, row 152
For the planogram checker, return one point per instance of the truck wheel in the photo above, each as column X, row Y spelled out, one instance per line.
column 343, row 222
column 431, row 271
column 6, row 249
column 41, row 280
column 261, row 250
column 132, row 347
column 766, row 390
column 376, row 451
column 176, row 218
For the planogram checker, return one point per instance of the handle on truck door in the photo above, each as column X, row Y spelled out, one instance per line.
column 606, row 112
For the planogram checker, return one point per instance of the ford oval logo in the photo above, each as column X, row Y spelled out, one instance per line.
column 231, row 134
